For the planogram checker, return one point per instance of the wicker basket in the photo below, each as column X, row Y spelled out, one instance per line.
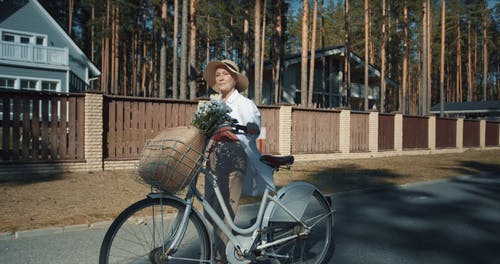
column 171, row 159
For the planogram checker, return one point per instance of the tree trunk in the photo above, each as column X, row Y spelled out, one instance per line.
column 425, row 81
column 145, row 92
column 347, row 58
column 246, row 37
column 175, row 57
column 303, row 64
column 485, row 53
column 184, row 45
column 367, row 53
column 402, row 95
column 469, row 60
column 193, row 69
column 125, row 69
column 475, row 93
column 441, row 68
column 116, row 48
column 262, row 49
column 382, row 58
column 257, row 36
column 105, row 50
column 135, row 72
column 371, row 44
column 92, row 33
column 459, row 62
column 429, row 58
column 324, row 97
column 278, row 51
column 163, row 51
column 71, row 5
column 207, row 51
column 313, row 54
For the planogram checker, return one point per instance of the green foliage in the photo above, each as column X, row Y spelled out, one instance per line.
column 220, row 26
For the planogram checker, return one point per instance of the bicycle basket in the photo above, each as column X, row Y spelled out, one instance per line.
column 171, row 160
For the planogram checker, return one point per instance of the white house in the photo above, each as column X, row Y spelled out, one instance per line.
column 37, row 54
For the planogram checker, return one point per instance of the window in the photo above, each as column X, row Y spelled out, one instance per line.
column 28, row 84
column 40, row 41
column 24, row 40
column 8, row 37
column 49, row 86
column 7, row 83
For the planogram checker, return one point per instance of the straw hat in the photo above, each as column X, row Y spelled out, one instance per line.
column 209, row 74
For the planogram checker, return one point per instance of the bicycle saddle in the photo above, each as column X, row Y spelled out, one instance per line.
column 277, row 161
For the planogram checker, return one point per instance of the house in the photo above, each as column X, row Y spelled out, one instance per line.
column 37, row 54
column 331, row 95
column 489, row 110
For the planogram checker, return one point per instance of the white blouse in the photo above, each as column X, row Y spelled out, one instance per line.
column 259, row 176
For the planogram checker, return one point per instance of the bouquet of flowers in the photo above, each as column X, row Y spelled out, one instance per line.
column 210, row 115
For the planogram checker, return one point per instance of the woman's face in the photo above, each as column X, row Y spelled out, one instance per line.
column 224, row 81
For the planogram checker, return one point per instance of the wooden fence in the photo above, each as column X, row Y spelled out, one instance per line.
column 415, row 132
column 492, row 131
column 41, row 127
column 270, row 120
column 129, row 121
column 446, row 133
column 385, row 132
column 359, row 132
column 315, row 131
column 471, row 133
column 44, row 128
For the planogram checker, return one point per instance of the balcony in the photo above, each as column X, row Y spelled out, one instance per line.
column 33, row 54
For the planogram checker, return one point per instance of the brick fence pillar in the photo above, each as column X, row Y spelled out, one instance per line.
column 431, row 132
column 373, row 132
column 398, row 132
column 285, row 130
column 482, row 133
column 94, row 129
column 460, row 133
column 345, row 131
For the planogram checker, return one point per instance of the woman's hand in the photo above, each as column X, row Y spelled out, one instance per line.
column 225, row 134
column 252, row 128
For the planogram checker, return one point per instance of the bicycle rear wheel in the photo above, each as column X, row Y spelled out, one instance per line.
column 316, row 247
column 142, row 232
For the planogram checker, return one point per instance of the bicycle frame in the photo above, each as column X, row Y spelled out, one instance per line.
column 246, row 237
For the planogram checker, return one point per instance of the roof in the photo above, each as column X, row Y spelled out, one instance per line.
column 338, row 50
column 468, row 107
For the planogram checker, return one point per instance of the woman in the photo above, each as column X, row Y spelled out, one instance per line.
column 235, row 158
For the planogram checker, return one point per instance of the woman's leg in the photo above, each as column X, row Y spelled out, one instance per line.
column 228, row 163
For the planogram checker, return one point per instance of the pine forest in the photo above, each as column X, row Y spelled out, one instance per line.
column 437, row 51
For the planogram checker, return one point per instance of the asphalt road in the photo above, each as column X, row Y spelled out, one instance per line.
column 456, row 221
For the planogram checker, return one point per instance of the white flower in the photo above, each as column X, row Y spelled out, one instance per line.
column 210, row 115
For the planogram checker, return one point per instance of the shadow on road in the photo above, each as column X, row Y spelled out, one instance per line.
column 457, row 221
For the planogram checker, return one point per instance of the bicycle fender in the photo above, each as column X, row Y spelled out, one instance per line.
column 294, row 197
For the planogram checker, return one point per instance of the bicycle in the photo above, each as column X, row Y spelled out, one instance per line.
column 293, row 225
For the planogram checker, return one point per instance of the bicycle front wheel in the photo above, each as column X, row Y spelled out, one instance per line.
column 143, row 232
column 315, row 247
